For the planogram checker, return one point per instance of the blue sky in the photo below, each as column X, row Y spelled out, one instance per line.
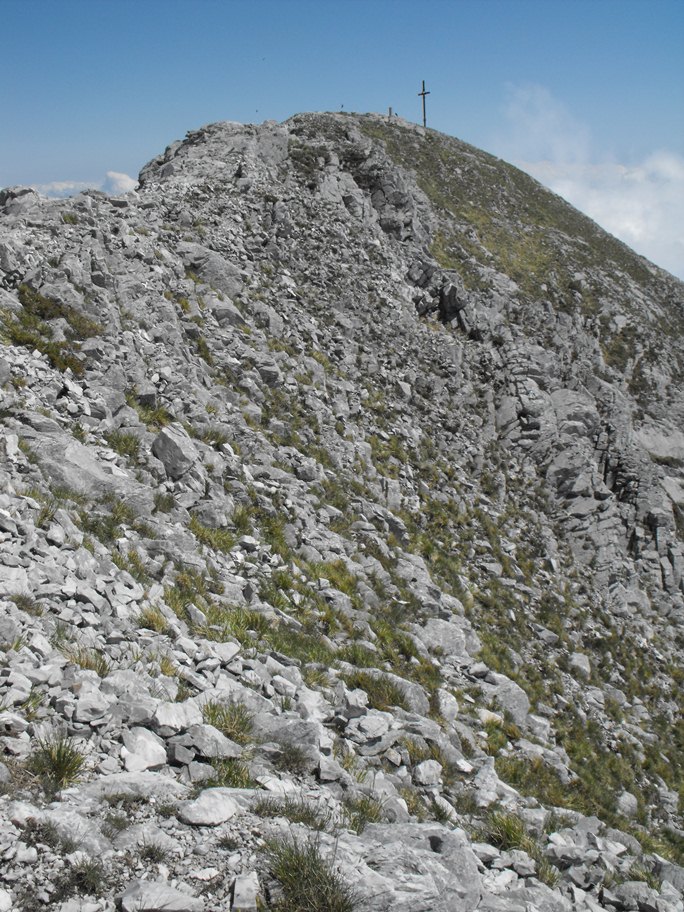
column 587, row 95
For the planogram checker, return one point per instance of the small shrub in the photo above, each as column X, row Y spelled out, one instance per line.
column 106, row 526
column 465, row 802
column 164, row 503
column 359, row 656
column 315, row 676
column 29, row 329
column 56, row 762
column 154, row 417
column 545, row 870
column 166, row 809
column 132, row 563
column 214, row 437
column 167, row 666
column 534, row 777
column 125, row 802
column 115, row 823
column 41, row 832
column 440, row 813
column 300, row 645
column 496, row 737
column 238, row 623
column 204, row 351
column 417, row 750
column 228, row 842
column 507, row 831
column 309, row 882
column 414, row 802
column 337, row 573
column 47, row 513
column 242, row 520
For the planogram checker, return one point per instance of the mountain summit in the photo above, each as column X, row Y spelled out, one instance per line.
column 342, row 537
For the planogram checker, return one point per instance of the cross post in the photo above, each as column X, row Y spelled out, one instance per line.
column 423, row 94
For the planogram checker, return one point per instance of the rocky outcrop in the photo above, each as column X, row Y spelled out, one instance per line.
column 340, row 515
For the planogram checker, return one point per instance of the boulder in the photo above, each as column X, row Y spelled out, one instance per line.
column 174, row 448
column 142, row 750
column 213, row 807
column 157, row 896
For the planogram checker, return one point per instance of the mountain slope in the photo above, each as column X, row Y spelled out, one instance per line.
column 342, row 461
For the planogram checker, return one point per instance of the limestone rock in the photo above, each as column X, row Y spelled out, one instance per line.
column 213, row 807
column 157, row 896
column 174, row 448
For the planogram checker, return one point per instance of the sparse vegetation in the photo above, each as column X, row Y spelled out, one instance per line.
column 308, row 879
column 90, row 659
column 56, row 762
column 87, row 877
column 296, row 810
column 231, row 774
column 233, row 720
column 360, row 810
column 382, row 692
column 124, row 443
column 30, row 328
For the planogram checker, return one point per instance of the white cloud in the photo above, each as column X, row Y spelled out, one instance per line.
column 117, row 182
column 114, row 183
column 642, row 203
column 541, row 127
column 62, row 188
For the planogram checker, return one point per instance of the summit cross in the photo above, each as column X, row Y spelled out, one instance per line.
column 423, row 94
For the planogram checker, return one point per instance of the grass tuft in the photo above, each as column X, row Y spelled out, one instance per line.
column 308, row 880
column 382, row 692
column 361, row 810
column 88, row 659
column 234, row 720
column 296, row 810
column 56, row 762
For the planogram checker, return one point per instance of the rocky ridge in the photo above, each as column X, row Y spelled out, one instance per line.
column 342, row 509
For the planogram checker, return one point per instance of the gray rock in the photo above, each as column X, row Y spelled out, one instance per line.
column 581, row 665
column 158, row 896
column 397, row 859
column 209, row 742
column 174, row 448
column 142, row 750
column 172, row 718
column 136, row 785
column 246, row 892
column 428, row 773
column 213, row 807
column 213, row 268
column 627, row 804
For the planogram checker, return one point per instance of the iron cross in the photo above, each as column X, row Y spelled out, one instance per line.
column 423, row 94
